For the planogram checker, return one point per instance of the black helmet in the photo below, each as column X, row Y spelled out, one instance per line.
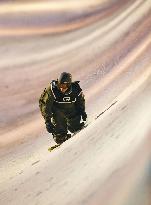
column 65, row 78
column 64, row 82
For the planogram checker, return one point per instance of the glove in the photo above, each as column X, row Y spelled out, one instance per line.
column 84, row 116
column 49, row 127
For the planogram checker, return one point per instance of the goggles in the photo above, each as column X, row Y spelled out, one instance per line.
column 63, row 85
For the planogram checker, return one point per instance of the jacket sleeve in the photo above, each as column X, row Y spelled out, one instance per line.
column 48, row 103
column 80, row 102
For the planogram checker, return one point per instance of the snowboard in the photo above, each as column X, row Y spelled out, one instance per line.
column 50, row 149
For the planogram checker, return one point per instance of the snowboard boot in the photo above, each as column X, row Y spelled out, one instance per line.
column 60, row 138
column 77, row 129
column 67, row 136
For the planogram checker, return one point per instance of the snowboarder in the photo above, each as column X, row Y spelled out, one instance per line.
column 62, row 105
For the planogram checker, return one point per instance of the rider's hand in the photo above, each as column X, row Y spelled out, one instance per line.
column 84, row 116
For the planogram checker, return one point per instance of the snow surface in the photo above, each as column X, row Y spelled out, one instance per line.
column 108, row 162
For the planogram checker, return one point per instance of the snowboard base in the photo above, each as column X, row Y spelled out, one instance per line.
column 53, row 147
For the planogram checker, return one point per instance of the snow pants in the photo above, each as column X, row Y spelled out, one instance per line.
column 64, row 122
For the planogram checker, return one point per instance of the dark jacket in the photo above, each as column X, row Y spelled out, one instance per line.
column 71, row 103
